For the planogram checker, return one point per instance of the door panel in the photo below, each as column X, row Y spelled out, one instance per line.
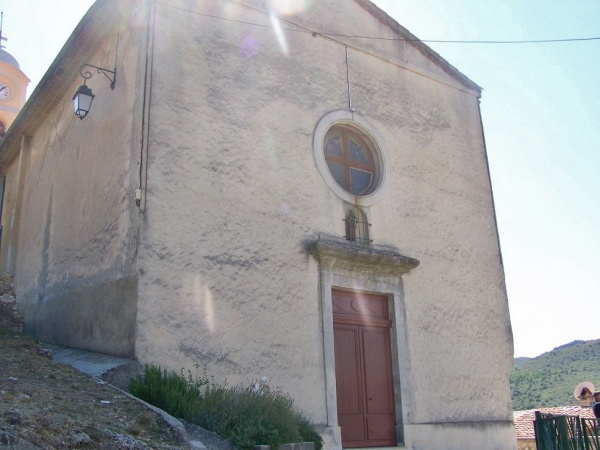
column 378, row 371
column 349, row 389
column 353, row 429
column 381, row 429
column 363, row 369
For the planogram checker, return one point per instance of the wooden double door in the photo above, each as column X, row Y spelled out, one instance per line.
column 363, row 369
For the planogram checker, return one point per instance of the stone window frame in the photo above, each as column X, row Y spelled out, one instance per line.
column 358, row 124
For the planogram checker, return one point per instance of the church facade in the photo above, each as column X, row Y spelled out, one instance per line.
column 263, row 193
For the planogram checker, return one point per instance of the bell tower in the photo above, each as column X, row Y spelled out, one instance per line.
column 13, row 87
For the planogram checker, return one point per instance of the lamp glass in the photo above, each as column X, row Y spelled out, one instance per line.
column 82, row 101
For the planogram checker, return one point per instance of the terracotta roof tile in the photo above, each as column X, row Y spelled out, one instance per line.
column 524, row 419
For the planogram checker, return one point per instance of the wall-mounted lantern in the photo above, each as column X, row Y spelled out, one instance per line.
column 82, row 100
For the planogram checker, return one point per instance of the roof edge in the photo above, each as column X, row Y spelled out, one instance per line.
column 13, row 131
column 427, row 51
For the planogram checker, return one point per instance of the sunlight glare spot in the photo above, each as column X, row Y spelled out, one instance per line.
column 289, row 7
column 279, row 34
column 203, row 296
column 231, row 11
column 360, row 303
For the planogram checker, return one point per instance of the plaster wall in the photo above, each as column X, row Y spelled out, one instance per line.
column 234, row 193
column 461, row 436
column 74, row 275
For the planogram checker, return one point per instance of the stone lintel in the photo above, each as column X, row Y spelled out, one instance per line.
column 342, row 254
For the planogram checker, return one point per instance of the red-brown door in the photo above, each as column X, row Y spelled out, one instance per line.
column 363, row 369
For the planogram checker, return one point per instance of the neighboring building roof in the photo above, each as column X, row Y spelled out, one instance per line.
column 8, row 58
column 524, row 419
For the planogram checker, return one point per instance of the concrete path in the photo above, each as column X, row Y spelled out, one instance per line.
column 94, row 364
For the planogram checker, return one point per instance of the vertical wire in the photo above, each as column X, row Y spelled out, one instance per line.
column 117, row 48
column 348, row 81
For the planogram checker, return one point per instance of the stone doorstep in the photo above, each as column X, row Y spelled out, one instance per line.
column 379, row 448
column 311, row 446
column 299, row 446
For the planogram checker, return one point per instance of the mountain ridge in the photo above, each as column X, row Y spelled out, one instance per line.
column 549, row 379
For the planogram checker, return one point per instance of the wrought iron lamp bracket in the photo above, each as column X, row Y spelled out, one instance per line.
column 87, row 74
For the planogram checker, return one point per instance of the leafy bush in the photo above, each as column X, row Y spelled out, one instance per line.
column 247, row 416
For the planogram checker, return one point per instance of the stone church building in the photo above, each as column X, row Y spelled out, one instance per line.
column 264, row 192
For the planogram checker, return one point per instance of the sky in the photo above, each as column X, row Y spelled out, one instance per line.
column 541, row 116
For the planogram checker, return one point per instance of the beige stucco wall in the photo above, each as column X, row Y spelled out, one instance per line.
column 234, row 193
column 76, row 235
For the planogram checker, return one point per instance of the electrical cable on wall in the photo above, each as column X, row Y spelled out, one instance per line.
column 330, row 35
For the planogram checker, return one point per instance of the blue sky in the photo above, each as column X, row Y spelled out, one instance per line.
column 541, row 115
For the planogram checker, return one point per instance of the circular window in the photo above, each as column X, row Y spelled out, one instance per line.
column 349, row 154
column 351, row 160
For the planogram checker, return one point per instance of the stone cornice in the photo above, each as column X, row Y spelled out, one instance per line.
column 339, row 253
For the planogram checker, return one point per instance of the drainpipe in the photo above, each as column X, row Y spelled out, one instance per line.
column 143, row 186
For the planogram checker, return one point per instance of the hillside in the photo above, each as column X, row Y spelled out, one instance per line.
column 549, row 379
column 48, row 405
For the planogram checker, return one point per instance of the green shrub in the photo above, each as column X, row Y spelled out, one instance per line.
column 244, row 416
column 168, row 391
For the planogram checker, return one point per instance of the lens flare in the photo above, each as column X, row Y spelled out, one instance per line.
column 198, row 301
column 249, row 47
column 289, row 7
column 279, row 34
